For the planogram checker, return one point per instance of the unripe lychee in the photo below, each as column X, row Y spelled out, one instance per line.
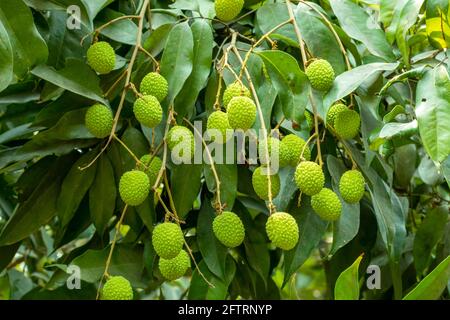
column 273, row 149
column 327, row 205
column 282, row 230
column 167, row 240
column 320, row 74
column 229, row 229
column 260, row 180
column 334, row 111
column 235, row 89
column 101, row 57
column 99, row 120
column 134, row 187
column 181, row 138
column 148, row 111
column 352, row 186
column 117, row 288
column 218, row 120
column 291, row 148
column 241, row 113
column 151, row 168
column 309, row 177
column 227, row 10
column 347, row 124
column 155, row 85
column 175, row 268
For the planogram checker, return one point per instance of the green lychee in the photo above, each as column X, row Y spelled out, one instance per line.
column 218, row 120
column 175, row 268
column 291, row 148
column 227, row 10
column 320, row 74
column 150, row 168
column 148, row 111
column 182, row 139
column 235, row 89
column 352, row 186
column 134, row 187
column 101, row 57
column 309, row 177
column 156, row 85
column 282, row 230
column 229, row 229
column 241, row 113
column 347, row 124
column 260, row 184
column 99, row 120
column 334, row 111
column 327, row 205
column 167, row 240
column 117, row 288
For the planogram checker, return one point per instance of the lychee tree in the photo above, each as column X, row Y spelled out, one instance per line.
column 103, row 108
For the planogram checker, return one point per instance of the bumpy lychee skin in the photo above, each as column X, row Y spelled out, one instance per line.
column 175, row 268
column 241, row 113
column 273, row 149
column 352, row 186
column 227, row 10
column 309, row 177
column 282, row 230
column 347, row 124
column 229, row 229
column 334, row 111
column 218, row 120
column 150, row 168
column 99, row 120
column 183, row 138
column 320, row 74
column 235, row 90
column 167, row 240
column 134, row 187
column 309, row 120
column 155, row 85
column 117, row 288
column 260, row 183
column 101, row 57
column 327, row 205
column 291, row 148
column 148, row 111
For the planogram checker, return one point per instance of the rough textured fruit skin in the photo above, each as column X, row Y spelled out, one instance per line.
column 241, row 113
column 352, row 186
column 134, row 187
column 260, row 184
column 175, row 268
column 229, row 229
column 218, row 120
column 327, row 205
column 117, row 288
column 155, row 85
column 101, row 57
column 320, row 74
column 309, row 178
column 181, row 134
column 273, row 145
column 227, row 10
column 334, row 111
column 148, row 111
column 347, row 124
column 291, row 148
column 282, row 230
column 234, row 90
column 153, row 167
column 99, row 120
column 167, row 240
column 309, row 120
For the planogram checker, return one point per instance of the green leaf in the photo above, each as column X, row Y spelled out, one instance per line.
column 177, row 59
column 228, row 182
column 136, row 142
column 186, row 182
column 432, row 286
column 347, row 285
column 202, row 51
column 272, row 14
column 74, row 187
column 287, row 190
column 7, row 253
column 433, row 112
column 76, row 77
column 430, row 232
column 437, row 23
column 213, row 252
column 400, row 130
column 102, row 194
column 6, row 59
column 93, row 7
column 124, row 31
column 289, row 80
column 359, row 25
column 29, row 48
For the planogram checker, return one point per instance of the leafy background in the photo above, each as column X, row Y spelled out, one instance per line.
column 395, row 71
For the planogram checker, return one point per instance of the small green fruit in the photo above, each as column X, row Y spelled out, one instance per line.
column 228, row 229
column 309, row 178
column 167, row 240
column 175, row 268
column 347, row 124
column 282, row 230
column 260, row 180
column 227, row 10
column 156, row 85
column 117, row 288
column 101, row 57
column 334, row 111
column 352, row 186
column 320, row 74
column 148, row 111
column 152, row 169
column 235, row 89
column 309, row 120
column 218, row 120
column 99, row 120
column 183, row 139
column 291, row 148
column 327, row 205
column 273, row 149
column 241, row 113
column 134, row 187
